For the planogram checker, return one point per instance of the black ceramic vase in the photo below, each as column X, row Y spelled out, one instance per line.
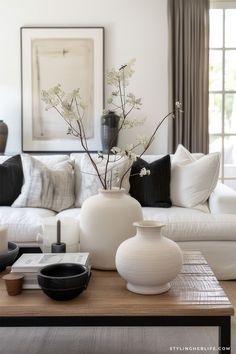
column 109, row 131
column 3, row 136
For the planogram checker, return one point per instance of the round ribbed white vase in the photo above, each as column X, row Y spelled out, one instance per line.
column 106, row 220
column 148, row 261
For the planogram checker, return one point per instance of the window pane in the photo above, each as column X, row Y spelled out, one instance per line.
column 230, row 156
column 215, row 113
column 216, row 28
column 215, row 143
column 215, row 70
column 230, row 28
column 231, row 183
column 216, row 146
column 230, row 70
column 223, row 80
column 230, row 113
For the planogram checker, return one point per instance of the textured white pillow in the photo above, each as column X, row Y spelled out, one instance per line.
column 87, row 182
column 44, row 187
column 192, row 180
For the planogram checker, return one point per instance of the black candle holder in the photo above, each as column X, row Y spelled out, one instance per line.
column 58, row 247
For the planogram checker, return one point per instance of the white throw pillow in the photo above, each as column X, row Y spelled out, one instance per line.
column 87, row 182
column 193, row 180
column 44, row 187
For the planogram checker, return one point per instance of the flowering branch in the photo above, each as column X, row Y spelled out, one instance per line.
column 119, row 80
column 71, row 108
column 177, row 107
column 68, row 107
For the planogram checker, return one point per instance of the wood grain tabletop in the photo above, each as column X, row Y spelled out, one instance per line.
column 195, row 292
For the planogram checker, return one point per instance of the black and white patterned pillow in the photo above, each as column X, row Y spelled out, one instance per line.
column 44, row 187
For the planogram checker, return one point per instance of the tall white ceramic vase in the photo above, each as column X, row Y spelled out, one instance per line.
column 148, row 261
column 106, row 220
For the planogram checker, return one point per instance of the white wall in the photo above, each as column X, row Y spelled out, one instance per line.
column 133, row 29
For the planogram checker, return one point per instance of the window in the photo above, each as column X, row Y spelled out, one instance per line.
column 222, row 87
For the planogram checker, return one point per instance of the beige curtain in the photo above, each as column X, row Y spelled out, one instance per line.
column 189, row 23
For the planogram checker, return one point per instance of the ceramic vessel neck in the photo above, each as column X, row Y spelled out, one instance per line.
column 148, row 229
column 112, row 193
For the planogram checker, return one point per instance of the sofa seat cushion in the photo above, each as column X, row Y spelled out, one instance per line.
column 71, row 213
column 184, row 224
column 23, row 223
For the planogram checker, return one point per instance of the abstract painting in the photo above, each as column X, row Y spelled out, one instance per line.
column 73, row 58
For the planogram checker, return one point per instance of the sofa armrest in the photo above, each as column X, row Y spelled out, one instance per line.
column 222, row 200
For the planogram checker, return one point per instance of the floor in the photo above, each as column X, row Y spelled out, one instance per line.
column 114, row 340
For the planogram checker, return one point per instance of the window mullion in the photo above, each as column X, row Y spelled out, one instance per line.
column 223, row 101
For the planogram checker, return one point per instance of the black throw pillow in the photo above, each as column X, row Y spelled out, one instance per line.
column 11, row 180
column 152, row 190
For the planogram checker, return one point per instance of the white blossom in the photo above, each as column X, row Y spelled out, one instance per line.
column 116, row 77
column 109, row 100
column 116, row 150
column 143, row 140
column 144, row 172
column 178, row 105
column 83, row 105
column 129, row 147
column 129, row 123
column 131, row 155
column 68, row 112
column 133, row 101
column 73, row 95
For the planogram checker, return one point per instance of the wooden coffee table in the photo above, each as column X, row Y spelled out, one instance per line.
column 195, row 299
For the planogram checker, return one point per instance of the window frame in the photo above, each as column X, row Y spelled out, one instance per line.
column 224, row 5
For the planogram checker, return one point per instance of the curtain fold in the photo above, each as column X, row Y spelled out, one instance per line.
column 189, row 25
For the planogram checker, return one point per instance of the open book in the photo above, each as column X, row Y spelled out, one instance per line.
column 33, row 262
column 30, row 263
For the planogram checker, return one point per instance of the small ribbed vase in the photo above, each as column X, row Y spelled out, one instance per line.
column 148, row 261
column 109, row 131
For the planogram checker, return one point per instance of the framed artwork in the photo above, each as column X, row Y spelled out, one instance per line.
column 74, row 58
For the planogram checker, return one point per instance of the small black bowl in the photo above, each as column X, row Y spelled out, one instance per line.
column 63, row 281
column 8, row 258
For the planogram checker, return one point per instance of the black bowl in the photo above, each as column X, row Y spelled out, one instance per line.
column 63, row 281
column 8, row 258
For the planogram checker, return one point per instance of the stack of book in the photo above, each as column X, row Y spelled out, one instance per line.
column 29, row 264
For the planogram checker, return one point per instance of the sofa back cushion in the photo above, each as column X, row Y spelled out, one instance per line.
column 46, row 187
column 87, row 182
column 11, row 180
column 151, row 190
column 151, row 158
column 192, row 180
column 49, row 160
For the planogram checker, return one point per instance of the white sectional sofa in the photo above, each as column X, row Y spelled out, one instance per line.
column 213, row 231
